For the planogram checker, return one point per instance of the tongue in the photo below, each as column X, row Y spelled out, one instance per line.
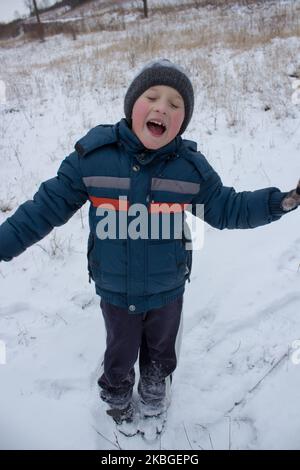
column 155, row 129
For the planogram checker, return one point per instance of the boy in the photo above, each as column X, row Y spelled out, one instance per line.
column 140, row 160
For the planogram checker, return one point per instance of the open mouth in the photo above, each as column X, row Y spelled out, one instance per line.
column 157, row 128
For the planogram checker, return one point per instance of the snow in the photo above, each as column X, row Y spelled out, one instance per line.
column 236, row 385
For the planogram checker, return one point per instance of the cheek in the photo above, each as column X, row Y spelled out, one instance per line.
column 177, row 122
column 139, row 113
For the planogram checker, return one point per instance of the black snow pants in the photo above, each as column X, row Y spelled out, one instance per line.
column 151, row 335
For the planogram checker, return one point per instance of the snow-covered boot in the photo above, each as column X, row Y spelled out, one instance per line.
column 152, row 421
column 155, row 396
column 126, row 419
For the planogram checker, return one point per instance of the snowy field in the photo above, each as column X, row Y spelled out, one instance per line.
column 238, row 380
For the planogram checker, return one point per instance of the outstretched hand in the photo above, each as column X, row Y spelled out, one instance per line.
column 292, row 199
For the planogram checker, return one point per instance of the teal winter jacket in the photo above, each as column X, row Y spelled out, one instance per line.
column 113, row 171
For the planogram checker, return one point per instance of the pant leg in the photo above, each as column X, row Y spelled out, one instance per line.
column 158, row 357
column 123, row 340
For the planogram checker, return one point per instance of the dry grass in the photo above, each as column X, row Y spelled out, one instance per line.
column 256, row 28
column 218, row 25
column 193, row 40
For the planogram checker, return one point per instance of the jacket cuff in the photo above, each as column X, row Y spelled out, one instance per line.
column 275, row 200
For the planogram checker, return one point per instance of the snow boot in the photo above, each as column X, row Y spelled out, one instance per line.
column 126, row 419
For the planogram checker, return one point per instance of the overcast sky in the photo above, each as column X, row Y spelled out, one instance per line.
column 8, row 8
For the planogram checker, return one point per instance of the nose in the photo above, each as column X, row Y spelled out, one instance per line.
column 161, row 106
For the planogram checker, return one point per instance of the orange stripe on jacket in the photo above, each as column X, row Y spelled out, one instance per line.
column 108, row 203
column 123, row 205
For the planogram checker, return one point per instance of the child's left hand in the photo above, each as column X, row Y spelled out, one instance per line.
column 292, row 199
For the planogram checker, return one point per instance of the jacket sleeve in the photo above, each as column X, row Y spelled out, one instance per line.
column 53, row 205
column 226, row 208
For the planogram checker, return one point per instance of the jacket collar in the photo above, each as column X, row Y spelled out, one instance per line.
column 134, row 146
column 95, row 138
column 121, row 132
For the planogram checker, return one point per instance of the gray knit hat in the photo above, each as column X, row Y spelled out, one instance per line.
column 161, row 72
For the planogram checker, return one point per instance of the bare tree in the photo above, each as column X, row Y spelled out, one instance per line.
column 145, row 8
column 36, row 11
column 32, row 6
column 40, row 24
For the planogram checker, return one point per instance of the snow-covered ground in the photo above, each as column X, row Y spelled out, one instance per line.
column 237, row 383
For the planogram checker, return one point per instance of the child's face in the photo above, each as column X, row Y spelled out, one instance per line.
column 157, row 116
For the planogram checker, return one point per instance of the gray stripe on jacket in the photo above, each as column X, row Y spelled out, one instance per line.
column 107, row 182
column 175, row 186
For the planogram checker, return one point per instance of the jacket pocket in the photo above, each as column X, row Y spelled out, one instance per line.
column 113, row 272
column 163, row 266
column 184, row 261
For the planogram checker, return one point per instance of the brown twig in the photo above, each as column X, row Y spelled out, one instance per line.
column 105, row 438
column 242, row 401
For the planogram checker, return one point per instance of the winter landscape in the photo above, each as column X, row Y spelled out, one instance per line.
column 238, row 379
